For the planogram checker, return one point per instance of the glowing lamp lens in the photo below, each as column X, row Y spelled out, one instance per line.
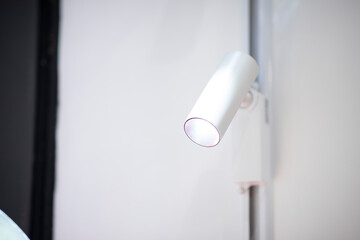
column 202, row 132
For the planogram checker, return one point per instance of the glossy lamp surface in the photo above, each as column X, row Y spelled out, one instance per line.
column 220, row 99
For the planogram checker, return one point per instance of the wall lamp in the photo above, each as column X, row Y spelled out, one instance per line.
column 226, row 92
column 231, row 90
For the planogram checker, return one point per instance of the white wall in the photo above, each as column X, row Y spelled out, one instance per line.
column 130, row 72
column 316, row 116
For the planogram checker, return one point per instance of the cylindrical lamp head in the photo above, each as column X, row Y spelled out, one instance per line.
column 221, row 98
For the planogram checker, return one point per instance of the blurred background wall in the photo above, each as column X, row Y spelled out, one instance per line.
column 130, row 71
column 316, row 117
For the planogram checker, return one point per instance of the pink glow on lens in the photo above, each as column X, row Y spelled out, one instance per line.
column 202, row 132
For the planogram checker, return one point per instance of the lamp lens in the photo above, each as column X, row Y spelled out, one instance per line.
column 202, row 132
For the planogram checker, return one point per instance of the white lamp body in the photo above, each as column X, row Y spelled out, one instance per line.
column 219, row 101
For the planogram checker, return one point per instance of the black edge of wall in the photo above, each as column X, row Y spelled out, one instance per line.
column 41, row 222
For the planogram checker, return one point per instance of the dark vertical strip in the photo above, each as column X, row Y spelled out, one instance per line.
column 45, row 121
column 253, row 31
column 253, row 50
column 251, row 27
column 252, row 211
column 18, row 51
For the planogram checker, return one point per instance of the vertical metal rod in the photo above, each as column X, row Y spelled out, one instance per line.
column 253, row 52
column 260, row 47
column 251, row 213
column 253, row 30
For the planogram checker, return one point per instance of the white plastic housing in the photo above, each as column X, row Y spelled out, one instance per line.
column 251, row 158
column 221, row 98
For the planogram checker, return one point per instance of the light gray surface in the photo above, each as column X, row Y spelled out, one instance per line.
column 316, row 117
column 130, row 72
